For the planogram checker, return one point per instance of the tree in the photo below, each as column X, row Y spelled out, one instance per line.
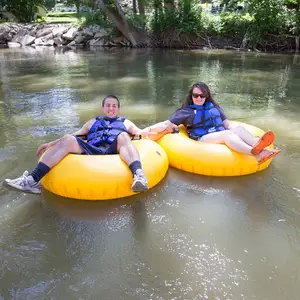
column 49, row 4
column 24, row 10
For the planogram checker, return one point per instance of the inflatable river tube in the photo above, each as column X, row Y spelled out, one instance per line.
column 210, row 159
column 104, row 177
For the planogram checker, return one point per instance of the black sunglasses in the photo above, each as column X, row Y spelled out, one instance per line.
column 195, row 95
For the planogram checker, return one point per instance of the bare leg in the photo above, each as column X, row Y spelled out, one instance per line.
column 131, row 156
column 68, row 144
column 228, row 138
column 245, row 135
column 233, row 141
column 126, row 149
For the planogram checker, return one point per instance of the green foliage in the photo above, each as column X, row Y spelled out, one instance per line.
column 293, row 21
column 95, row 17
column 211, row 24
column 190, row 16
column 49, row 4
column 23, row 9
column 269, row 17
column 235, row 24
column 186, row 17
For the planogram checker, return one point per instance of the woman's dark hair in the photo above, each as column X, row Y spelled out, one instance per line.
column 205, row 90
column 110, row 96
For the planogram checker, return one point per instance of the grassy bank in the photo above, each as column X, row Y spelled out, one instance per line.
column 66, row 17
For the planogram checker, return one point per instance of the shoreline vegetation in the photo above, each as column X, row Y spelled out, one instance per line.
column 256, row 25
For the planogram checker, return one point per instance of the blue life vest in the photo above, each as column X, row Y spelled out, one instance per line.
column 105, row 130
column 207, row 120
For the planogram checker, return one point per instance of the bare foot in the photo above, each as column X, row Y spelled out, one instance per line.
column 266, row 155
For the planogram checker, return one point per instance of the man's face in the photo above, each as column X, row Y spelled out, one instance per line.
column 110, row 108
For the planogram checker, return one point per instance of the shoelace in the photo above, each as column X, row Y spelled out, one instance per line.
column 21, row 178
column 24, row 182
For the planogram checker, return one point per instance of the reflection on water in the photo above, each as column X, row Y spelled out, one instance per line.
column 190, row 237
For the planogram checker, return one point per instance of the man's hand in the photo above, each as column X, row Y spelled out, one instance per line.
column 42, row 148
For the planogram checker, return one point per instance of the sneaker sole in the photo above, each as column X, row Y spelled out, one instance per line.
column 138, row 187
column 9, row 184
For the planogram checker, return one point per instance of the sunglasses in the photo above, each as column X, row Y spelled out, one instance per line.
column 198, row 95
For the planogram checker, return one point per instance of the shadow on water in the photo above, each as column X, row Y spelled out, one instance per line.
column 96, row 211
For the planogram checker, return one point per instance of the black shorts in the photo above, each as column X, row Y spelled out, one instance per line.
column 92, row 150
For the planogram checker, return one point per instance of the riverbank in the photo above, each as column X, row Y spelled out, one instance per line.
column 68, row 35
column 58, row 35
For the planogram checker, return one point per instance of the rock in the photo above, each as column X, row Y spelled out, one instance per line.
column 57, row 34
column 43, row 32
column 58, row 31
column 26, row 40
column 46, row 40
column 97, row 42
column 79, row 39
column 13, row 45
column 21, row 33
column 72, row 44
column 49, row 42
column 58, row 41
column 87, row 32
column 112, row 44
column 71, row 34
column 100, row 34
column 117, row 39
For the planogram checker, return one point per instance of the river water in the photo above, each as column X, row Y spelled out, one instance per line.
column 190, row 237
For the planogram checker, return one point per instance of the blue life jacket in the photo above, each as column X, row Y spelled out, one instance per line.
column 105, row 130
column 207, row 120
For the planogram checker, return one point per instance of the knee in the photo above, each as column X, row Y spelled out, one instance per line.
column 228, row 134
column 237, row 129
column 67, row 141
column 123, row 138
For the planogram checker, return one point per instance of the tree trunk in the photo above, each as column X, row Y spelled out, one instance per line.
column 134, row 6
column 141, row 7
column 119, row 20
column 297, row 43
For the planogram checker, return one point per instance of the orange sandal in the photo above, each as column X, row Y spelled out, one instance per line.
column 266, row 140
column 269, row 155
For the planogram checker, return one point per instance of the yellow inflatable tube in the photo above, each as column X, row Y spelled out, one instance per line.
column 210, row 159
column 103, row 177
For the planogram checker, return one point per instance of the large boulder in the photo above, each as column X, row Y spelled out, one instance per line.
column 71, row 34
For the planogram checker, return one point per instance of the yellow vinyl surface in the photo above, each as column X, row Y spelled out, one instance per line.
column 103, row 177
column 210, row 159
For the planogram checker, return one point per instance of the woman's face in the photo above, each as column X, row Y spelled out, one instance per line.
column 198, row 96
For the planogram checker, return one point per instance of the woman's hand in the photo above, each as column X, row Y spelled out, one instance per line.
column 146, row 133
column 42, row 148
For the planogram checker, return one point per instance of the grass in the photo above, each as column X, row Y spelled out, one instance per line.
column 65, row 17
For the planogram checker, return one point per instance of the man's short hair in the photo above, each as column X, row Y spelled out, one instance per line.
column 111, row 96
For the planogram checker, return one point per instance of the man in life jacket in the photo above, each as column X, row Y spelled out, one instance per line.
column 108, row 134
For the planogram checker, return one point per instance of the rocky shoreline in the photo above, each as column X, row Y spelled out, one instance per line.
column 58, row 35
column 67, row 35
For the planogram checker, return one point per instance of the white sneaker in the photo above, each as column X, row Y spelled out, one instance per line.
column 25, row 183
column 140, row 183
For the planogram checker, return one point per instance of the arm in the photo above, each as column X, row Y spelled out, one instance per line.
column 153, row 132
column 134, row 130
column 227, row 124
column 161, row 128
column 82, row 131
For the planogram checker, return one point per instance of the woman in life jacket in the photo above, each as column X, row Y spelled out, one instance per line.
column 206, row 122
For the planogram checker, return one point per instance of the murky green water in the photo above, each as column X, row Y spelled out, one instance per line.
column 191, row 237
